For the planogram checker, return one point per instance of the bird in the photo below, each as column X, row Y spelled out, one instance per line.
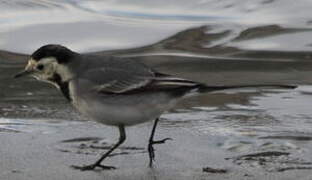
column 114, row 91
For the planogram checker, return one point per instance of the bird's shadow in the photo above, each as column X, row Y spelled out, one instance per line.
column 95, row 146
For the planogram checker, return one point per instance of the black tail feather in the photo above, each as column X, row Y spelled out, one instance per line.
column 202, row 88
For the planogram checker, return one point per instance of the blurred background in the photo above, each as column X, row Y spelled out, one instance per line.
column 218, row 42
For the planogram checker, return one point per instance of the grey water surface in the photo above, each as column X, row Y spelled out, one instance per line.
column 247, row 132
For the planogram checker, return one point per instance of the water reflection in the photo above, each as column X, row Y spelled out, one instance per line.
column 96, row 25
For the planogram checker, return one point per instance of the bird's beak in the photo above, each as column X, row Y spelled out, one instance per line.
column 29, row 69
column 23, row 73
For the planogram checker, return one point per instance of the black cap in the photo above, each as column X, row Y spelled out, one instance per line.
column 61, row 53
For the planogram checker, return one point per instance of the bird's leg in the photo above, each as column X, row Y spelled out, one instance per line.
column 122, row 138
column 152, row 141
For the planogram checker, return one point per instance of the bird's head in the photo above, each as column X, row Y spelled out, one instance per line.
column 47, row 62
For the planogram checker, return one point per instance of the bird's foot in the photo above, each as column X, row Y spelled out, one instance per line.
column 160, row 141
column 151, row 150
column 92, row 167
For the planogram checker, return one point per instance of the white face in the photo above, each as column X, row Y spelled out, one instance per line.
column 44, row 69
column 48, row 70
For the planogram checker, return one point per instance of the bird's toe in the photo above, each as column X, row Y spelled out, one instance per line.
column 92, row 167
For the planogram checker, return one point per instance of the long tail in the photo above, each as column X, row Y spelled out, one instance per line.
column 202, row 88
column 164, row 81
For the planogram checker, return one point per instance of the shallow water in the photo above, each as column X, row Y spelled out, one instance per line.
column 211, row 41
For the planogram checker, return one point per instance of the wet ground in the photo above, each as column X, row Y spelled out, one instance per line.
column 241, row 134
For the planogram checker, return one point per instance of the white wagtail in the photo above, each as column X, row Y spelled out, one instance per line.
column 113, row 91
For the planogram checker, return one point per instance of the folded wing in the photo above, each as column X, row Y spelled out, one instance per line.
column 120, row 79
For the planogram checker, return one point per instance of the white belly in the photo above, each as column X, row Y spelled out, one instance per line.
column 123, row 109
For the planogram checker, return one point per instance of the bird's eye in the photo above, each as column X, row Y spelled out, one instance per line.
column 40, row 67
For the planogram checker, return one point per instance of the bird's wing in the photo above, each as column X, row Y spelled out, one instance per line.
column 128, row 76
column 116, row 80
column 165, row 81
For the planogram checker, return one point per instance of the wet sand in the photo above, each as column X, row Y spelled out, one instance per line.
column 49, row 154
